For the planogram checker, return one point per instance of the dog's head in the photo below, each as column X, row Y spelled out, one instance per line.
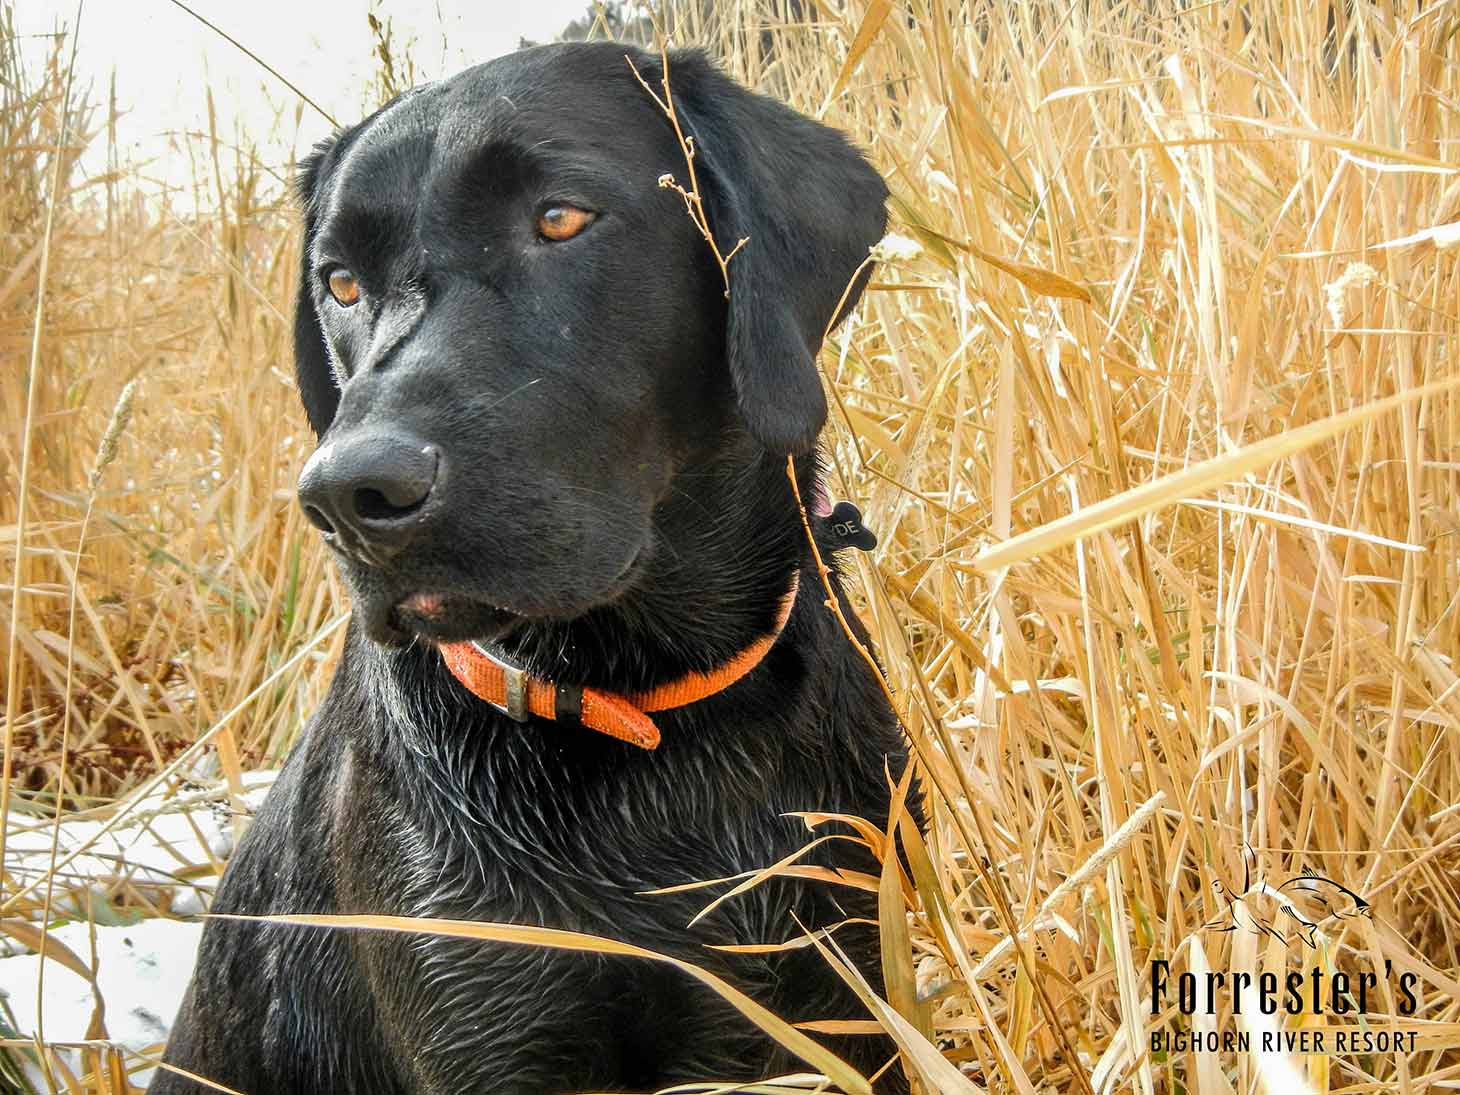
column 511, row 339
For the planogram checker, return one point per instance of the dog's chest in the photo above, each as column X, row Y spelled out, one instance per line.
column 586, row 860
column 552, row 846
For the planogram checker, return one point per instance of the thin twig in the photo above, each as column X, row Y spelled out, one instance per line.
column 256, row 59
column 693, row 203
column 106, row 452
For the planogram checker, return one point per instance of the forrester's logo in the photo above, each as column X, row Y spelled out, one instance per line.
column 1304, row 908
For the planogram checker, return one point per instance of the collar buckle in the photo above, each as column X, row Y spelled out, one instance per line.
column 515, row 681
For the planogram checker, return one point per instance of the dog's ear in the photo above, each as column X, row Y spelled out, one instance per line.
column 319, row 389
column 809, row 205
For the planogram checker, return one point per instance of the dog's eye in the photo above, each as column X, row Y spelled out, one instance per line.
column 343, row 286
column 563, row 222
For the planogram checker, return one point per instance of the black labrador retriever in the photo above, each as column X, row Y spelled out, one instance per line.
column 590, row 654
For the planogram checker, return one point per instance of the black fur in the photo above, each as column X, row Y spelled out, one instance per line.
column 615, row 513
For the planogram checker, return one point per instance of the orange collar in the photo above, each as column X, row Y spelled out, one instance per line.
column 519, row 695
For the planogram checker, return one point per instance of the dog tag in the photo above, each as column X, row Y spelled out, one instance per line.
column 847, row 528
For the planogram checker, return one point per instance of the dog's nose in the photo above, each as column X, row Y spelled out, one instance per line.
column 369, row 489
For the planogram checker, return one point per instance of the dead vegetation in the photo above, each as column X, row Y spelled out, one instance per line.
column 1149, row 591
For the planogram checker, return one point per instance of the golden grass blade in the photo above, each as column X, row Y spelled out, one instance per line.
column 779, row 867
column 1348, row 144
column 898, row 975
column 212, row 1085
column 810, row 1083
column 840, row 1026
column 1316, row 1066
column 1210, row 1079
column 1093, row 89
column 521, row 935
column 1036, row 279
column 872, row 836
column 877, row 13
column 1138, row 501
column 793, row 944
column 1440, row 235
column 934, row 1070
column 1302, row 522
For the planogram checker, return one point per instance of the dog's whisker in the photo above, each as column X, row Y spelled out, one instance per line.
column 515, row 391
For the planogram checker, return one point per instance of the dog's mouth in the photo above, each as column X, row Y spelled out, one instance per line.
column 455, row 617
column 447, row 617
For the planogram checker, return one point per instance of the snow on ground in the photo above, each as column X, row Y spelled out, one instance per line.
column 159, row 843
column 169, row 849
column 142, row 971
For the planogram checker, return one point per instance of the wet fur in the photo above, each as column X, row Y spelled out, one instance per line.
column 406, row 795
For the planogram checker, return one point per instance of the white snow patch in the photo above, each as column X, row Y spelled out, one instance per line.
column 142, row 969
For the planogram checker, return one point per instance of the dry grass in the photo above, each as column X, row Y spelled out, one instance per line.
column 1149, row 238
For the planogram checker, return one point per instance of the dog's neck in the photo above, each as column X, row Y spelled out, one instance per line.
column 729, row 543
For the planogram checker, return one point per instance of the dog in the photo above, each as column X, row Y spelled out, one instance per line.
column 590, row 655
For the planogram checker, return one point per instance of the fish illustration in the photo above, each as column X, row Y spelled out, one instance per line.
column 1324, row 896
column 1306, row 900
